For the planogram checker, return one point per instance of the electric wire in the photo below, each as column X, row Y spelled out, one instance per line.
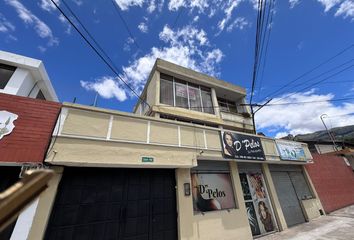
column 125, row 24
column 98, row 53
column 268, row 26
column 314, row 84
column 308, row 72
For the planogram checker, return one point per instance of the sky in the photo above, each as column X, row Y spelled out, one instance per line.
column 215, row 37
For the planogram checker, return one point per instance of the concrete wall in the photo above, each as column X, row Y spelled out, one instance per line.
column 333, row 180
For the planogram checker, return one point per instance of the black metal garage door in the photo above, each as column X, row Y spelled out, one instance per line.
column 97, row 203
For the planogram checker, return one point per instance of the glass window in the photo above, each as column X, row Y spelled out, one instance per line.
column 212, row 188
column 166, row 93
column 178, row 93
column 207, row 102
column 6, row 72
column 194, row 99
column 181, row 95
column 227, row 106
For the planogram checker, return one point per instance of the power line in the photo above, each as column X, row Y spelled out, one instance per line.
column 268, row 26
column 309, row 71
column 314, row 84
column 97, row 52
column 88, row 33
column 125, row 24
column 321, row 74
column 259, row 105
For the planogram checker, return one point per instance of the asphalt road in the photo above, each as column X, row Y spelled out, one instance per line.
column 338, row 225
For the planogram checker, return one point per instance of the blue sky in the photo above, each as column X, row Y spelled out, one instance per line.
column 214, row 37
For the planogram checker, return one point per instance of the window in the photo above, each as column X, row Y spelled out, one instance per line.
column 227, row 106
column 6, row 72
column 40, row 95
column 206, row 101
column 212, row 188
column 166, row 96
column 182, row 94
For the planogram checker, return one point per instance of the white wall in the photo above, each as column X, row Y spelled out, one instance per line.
column 20, row 84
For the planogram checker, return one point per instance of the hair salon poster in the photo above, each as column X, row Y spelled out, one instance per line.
column 212, row 191
column 241, row 146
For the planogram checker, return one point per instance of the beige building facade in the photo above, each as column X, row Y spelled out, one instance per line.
column 181, row 180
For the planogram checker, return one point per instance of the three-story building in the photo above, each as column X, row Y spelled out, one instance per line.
column 183, row 165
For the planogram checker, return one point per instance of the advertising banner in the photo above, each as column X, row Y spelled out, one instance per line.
column 235, row 145
column 290, row 150
column 212, row 191
column 259, row 211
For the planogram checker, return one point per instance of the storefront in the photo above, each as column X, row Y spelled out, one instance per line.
column 124, row 179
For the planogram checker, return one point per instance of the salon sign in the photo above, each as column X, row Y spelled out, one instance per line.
column 241, row 146
column 290, row 150
column 7, row 123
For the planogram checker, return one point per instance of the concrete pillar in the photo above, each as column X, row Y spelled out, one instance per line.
column 44, row 207
column 214, row 99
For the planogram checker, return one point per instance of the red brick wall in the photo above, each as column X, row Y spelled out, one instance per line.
column 29, row 140
column 333, row 180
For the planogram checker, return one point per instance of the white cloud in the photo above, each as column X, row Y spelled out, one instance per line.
column 128, row 43
column 126, row 4
column 186, row 47
column 293, row 3
column 5, row 25
column 106, row 87
column 47, row 5
column 29, row 18
column 143, row 27
column 186, row 35
column 302, row 118
column 328, row 4
column 346, row 9
column 239, row 23
column 231, row 5
column 201, row 5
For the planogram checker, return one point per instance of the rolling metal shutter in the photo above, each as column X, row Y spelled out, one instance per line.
column 286, row 191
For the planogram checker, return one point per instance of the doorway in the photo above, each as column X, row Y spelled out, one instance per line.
column 108, row 203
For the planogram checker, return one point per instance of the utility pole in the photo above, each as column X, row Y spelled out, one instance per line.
column 329, row 134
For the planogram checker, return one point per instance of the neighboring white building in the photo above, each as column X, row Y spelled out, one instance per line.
column 24, row 76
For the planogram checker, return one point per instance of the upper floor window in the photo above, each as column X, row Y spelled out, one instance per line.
column 227, row 106
column 40, row 95
column 6, row 72
column 183, row 94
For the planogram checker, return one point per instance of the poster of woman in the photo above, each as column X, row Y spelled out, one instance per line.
column 265, row 216
column 257, row 186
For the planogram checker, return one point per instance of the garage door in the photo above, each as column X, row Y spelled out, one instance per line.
column 288, row 199
column 96, row 203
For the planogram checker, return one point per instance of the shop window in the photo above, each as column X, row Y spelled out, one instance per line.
column 182, row 94
column 212, row 187
column 6, row 72
column 259, row 210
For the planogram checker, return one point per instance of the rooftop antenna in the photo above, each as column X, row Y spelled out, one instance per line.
column 95, row 101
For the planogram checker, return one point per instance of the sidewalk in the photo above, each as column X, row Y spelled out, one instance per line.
column 337, row 225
